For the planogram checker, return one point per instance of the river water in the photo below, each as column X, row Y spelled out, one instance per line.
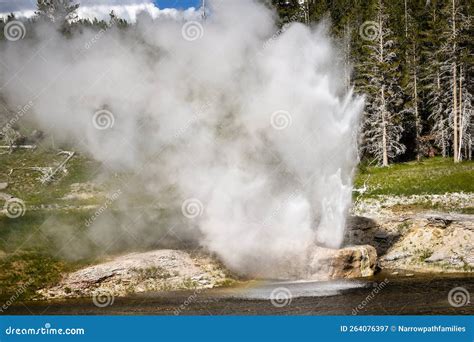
column 380, row 295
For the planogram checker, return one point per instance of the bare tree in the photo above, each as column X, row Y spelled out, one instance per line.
column 465, row 118
column 412, row 87
column 57, row 11
column 382, row 128
column 436, row 102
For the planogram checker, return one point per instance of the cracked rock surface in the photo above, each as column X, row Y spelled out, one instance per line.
column 157, row 270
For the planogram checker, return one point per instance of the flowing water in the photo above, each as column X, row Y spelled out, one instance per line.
column 380, row 295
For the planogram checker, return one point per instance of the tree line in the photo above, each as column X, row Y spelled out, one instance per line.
column 412, row 60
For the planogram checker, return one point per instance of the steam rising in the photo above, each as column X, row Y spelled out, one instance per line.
column 253, row 129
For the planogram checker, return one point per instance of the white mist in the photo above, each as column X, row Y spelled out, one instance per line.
column 256, row 128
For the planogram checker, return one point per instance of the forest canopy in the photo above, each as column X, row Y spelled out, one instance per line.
column 412, row 60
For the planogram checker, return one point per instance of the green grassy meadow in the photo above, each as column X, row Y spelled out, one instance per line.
column 29, row 255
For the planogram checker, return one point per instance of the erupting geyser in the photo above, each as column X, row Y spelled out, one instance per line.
column 246, row 130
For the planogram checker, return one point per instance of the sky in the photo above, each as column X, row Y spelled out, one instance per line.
column 100, row 9
column 177, row 3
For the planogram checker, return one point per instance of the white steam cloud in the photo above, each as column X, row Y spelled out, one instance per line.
column 125, row 9
column 247, row 138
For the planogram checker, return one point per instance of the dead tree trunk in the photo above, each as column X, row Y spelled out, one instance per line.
column 384, row 131
column 455, row 93
column 461, row 121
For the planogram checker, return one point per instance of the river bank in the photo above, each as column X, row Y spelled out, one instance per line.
column 384, row 294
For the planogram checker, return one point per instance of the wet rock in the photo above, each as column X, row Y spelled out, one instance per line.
column 381, row 235
column 357, row 261
column 349, row 262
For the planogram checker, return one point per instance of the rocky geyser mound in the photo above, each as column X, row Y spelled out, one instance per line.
column 158, row 270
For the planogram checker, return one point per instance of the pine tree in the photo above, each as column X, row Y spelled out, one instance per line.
column 116, row 21
column 436, row 80
column 436, row 102
column 451, row 50
column 60, row 12
column 304, row 10
column 382, row 129
column 412, row 86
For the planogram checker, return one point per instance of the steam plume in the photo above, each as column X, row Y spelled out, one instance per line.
column 245, row 135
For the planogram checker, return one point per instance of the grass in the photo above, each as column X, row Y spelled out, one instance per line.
column 32, row 247
column 424, row 254
column 27, row 271
column 402, row 227
column 30, row 257
column 31, row 253
column 24, row 183
column 429, row 176
column 33, row 250
column 189, row 284
column 39, row 230
column 227, row 282
column 421, row 206
column 152, row 273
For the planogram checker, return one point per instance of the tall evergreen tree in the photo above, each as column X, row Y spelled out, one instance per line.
column 411, row 84
column 435, row 79
column 381, row 128
column 59, row 12
column 450, row 54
